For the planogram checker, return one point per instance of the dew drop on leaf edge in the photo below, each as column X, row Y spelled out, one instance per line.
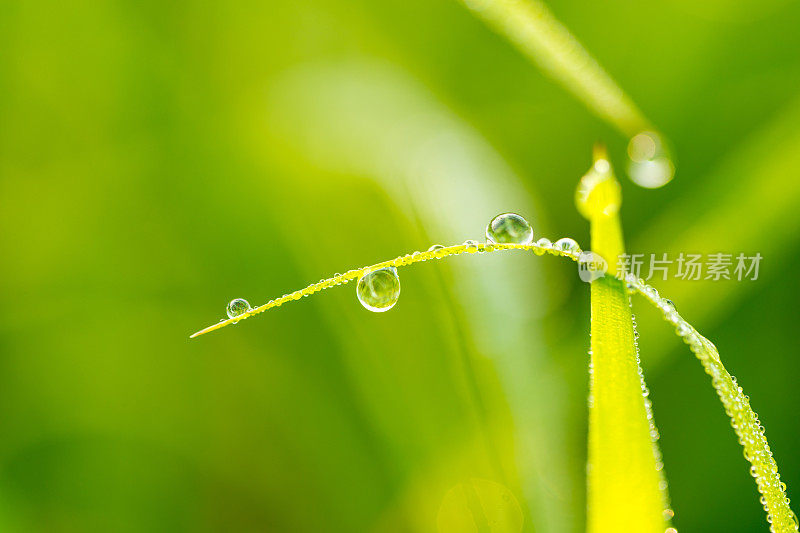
column 543, row 244
column 379, row 290
column 237, row 307
column 567, row 245
column 509, row 228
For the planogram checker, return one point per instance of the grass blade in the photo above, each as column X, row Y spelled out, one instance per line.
column 354, row 274
column 538, row 34
column 624, row 479
column 744, row 420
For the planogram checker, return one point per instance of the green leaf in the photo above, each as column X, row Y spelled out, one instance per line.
column 625, row 483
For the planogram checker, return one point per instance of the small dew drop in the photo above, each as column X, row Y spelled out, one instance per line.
column 668, row 306
column 509, row 228
column 237, row 307
column 436, row 248
column 567, row 246
column 379, row 290
column 651, row 293
column 543, row 245
column 472, row 246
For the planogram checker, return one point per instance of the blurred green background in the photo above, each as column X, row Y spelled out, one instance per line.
column 158, row 159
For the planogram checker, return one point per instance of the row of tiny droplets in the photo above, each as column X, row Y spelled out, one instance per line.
column 744, row 420
column 436, row 251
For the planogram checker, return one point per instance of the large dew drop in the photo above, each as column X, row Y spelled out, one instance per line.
column 509, row 228
column 379, row 290
column 650, row 163
column 237, row 307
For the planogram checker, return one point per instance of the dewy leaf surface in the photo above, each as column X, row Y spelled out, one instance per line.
column 626, row 490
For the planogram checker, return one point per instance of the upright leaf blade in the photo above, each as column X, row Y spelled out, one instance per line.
column 626, row 488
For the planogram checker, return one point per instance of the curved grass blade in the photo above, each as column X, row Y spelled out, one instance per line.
column 625, row 480
column 354, row 274
column 372, row 120
column 749, row 430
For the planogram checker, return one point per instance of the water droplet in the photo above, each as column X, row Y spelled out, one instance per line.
column 668, row 306
column 567, row 246
column 644, row 146
column 651, row 166
column 509, row 228
column 672, row 316
column 544, row 245
column 436, row 248
column 237, row 307
column 379, row 290
column 472, row 246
